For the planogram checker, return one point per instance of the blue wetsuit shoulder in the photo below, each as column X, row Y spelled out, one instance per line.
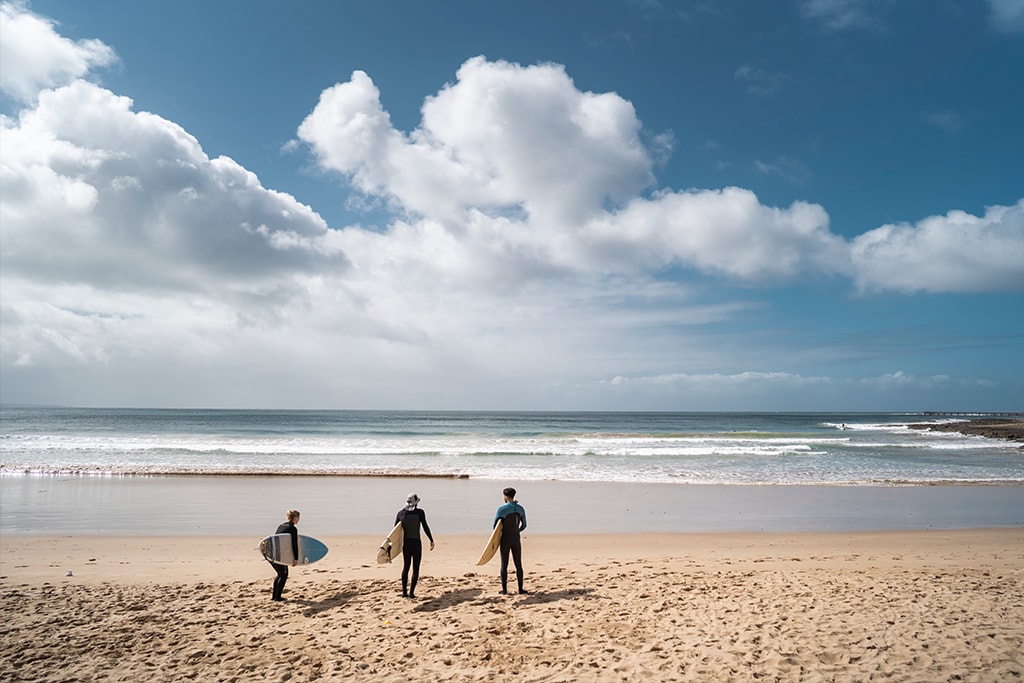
column 510, row 509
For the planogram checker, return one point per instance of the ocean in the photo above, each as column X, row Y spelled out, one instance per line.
column 838, row 449
column 228, row 472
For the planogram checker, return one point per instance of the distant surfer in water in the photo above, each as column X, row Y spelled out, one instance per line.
column 282, row 569
column 411, row 518
column 513, row 521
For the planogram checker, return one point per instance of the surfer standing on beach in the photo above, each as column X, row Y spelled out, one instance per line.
column 282, row 569
column 513, row 521
column 411, row 518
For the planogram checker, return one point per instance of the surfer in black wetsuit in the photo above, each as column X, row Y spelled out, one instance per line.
column 282, row 570
column 513, row 521
column 411, row 518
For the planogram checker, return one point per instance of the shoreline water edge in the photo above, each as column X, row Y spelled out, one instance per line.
column 227, row 506
column 172, row 472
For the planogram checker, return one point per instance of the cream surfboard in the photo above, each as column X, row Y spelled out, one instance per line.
column 277, row 548
column 391, row 546
column 492, row 545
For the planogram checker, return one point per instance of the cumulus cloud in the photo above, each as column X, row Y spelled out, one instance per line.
column 528, row 241
column 95, row 192
column 503, row 139
column 957, row 252
column 515, row 165
column 726, row 232
column 34, row 57
column 121, row 237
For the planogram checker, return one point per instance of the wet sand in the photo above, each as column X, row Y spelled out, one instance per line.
column 254, row 505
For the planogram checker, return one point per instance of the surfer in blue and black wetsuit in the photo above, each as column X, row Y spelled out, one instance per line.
column 513, row 521
column 411, row 518
column 282, row 569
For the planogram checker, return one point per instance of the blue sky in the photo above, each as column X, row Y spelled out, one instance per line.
column 634, row 205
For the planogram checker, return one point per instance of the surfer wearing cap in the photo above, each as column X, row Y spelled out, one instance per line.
column 282, row 569
column 513, row 521
column 411, row 517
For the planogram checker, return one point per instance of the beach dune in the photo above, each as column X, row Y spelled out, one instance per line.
column 899, row 606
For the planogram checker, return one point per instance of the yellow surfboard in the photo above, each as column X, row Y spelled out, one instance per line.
column 391, row 546
column 492, row 545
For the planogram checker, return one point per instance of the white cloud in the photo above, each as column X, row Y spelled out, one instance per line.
column 759, row 81
column 719, row 380
column 957, row 252
column 514, row 170
column 502, row 139
column 1007, row 15
column 791, row 170
column 123, row 241
column 528, row 251
column 723, row 231
column 903, row 379
column 34, row 57
column 839, row 14
column 948, row 121
column 753, row 390
column 97, row 193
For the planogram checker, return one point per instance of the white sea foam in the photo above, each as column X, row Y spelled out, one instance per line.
column 691, row 448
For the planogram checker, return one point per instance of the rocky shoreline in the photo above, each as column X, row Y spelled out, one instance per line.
column 1011, row 429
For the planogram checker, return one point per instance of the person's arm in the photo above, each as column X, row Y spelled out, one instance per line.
column 426, row 528
column 522, row 518
column 295, row 544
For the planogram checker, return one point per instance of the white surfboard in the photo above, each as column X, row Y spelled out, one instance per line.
column 492, row 545
column 391, row 547
column 277, row 548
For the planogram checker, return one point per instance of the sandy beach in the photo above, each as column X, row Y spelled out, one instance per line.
column 896, row 605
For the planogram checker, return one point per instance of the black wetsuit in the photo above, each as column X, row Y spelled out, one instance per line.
column 282, row 569
column 513, row 517
column 412, row 546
